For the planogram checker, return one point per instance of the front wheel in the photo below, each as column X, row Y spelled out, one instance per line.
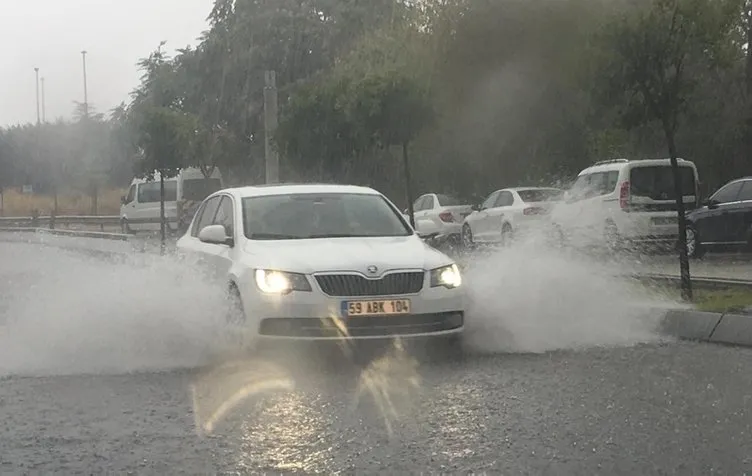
column 466, row 237
column 124, row 227
column 612, row 238
column 506, row 234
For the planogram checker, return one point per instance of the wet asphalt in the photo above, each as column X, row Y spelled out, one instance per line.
column 661, row 409
column 667, row 408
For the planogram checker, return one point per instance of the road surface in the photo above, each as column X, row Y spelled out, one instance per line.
column 106, row 367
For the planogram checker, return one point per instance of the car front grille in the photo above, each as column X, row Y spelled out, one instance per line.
column 349, row 285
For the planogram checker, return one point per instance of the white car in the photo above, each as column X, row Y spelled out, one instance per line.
column 324, row 262
column 619, row 201
column 439, row 213
column 507, row 213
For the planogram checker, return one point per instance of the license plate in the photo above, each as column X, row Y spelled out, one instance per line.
column 375, row 308
column 666, row 221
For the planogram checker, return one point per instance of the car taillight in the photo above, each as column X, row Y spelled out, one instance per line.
column 446, row 217
column 624, row 195
column 534, row 211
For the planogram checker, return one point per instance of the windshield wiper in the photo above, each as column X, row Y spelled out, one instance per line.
column 350, row 235
column 335, row 235
column 272, row 236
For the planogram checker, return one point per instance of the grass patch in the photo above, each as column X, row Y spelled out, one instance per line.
column 16, row 204
column 723, row 300
column 733, row 298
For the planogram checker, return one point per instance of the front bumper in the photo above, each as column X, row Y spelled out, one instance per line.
column 376, row 327
column 316, row 316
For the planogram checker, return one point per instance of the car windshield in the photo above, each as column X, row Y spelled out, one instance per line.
column 657, row 182
column 540, row 195
column 332, row 215
column 199, row 189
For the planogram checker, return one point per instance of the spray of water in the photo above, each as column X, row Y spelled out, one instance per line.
column 533, row 297
column 64, row 312
column 67, row 313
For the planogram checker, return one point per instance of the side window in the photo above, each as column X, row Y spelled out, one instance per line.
column 149, row 192
column 505, row 199
column 600, row 183
column 729, row 193
column 612, row 178
column 490, row 201
column 131, row 194
column 428, row 204
column 225, row 217
column 146, row 192
column 746, row 193
column 205, row 215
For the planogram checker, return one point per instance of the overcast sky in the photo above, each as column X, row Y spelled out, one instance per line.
column 50, row 34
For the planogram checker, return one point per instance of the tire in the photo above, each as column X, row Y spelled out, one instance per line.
column 235, row 315
column 694, row 249
column 612, row 238
column 124, row 227
column 507, row 234
column 466, row 237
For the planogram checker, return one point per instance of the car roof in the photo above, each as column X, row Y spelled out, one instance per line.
column 618, row 164
column 524, row 189
column 295, row 188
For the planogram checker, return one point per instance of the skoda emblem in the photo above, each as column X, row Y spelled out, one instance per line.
column 372, row 269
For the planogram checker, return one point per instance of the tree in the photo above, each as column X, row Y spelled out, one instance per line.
column 390, row 109
column 652, row 48
column 163, row 136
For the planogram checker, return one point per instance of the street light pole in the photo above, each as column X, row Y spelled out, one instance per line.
column 36, row 72
column 86, row 92
column 44, row 109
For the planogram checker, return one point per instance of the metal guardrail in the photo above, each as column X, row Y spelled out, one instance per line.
column 700, row 281
column 71, row 233
column 53, row 222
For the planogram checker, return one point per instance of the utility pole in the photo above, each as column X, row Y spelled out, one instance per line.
column 44, row 109
column 36, row 72
column 270, row 125
column 86, row 92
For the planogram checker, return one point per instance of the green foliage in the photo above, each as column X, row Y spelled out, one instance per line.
column 651, row 50
column 163, row 139
column 488, row 93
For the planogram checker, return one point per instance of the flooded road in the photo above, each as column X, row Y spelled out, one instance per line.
column 672, row 409
column 113, row 367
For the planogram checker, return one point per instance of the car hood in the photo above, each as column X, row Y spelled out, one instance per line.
column 344, row 254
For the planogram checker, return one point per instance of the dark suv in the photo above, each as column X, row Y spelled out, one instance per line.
column 724, row 220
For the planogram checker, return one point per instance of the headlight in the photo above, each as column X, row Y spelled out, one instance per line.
column 447, row 276
column 280, row 282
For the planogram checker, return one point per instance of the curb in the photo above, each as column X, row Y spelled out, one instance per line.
column 715, row 327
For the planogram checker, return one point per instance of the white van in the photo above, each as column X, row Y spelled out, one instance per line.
column 182, row 194
column 620, row 201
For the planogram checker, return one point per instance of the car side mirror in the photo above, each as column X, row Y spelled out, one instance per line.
column 215, row 235
column 475, row 208
column 711, row 204
column 124, row 200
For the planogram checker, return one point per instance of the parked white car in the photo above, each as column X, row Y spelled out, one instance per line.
column 439, row 213
column 323, row 262
column 507, row 213
column 140, row 207
column 618, row 202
